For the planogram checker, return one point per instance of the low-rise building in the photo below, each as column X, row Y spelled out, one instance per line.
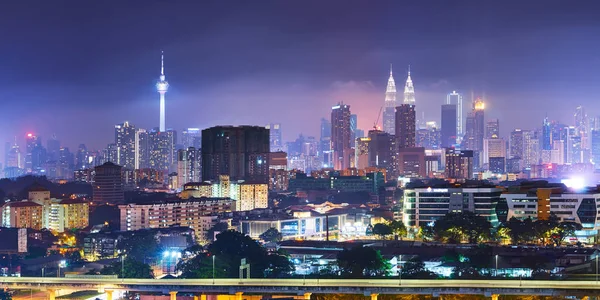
column 248, row 195
column 22, row 214
column 197, row 214
column 425, row 205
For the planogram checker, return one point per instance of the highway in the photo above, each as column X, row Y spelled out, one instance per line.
column 309, row 286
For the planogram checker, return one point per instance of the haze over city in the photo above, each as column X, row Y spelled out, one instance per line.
column 76, row 69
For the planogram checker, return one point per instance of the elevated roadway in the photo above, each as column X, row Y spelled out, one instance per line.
column 304, row 288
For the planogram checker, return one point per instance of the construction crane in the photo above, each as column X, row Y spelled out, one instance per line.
column 377, row 121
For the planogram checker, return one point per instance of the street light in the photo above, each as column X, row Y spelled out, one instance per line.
column 496, row 265
column 400, row 269
column 214, row 268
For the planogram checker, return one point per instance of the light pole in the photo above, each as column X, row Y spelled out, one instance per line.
column 400, row 270
column 496, row 265
column 596, row 268
column 304, row 265
column 122, row 266
column 214, row 268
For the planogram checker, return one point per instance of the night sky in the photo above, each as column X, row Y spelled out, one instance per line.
column 76, row 68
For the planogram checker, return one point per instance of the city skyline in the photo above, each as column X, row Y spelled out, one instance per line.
column 37, row 99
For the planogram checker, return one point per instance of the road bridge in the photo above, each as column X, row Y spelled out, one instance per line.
column 304, row 288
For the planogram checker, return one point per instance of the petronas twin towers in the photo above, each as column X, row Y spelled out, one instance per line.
column 389, row 113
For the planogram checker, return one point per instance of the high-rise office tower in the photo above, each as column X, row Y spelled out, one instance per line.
column 108, row 184
column 125, row 140
column 241, row 152
column 275, row 139
column 582, row 125
column 493, row 148
column 596, row 148
column 353, row 127
column 361, row 153
column 546, row 135
column 475, row 131
column 531, row 148
column 389, row 108
column 162, row 86
column 449, row 126
column 191, row 138
column 53, row 148
column 13, row 157
column 516, row 142
column 459, row 164
column 188, row 166
column 492, row 128
column 325, row 143
column 340, row 136
column 405, row 126
column 142, row 153
column 382, row 152
column 409, row 96
column 428, row 137
column 162, row 154
column 457, row 99
column 82, row 158
column 32, row 145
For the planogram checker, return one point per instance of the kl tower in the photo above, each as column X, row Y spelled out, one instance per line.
column 162, row 86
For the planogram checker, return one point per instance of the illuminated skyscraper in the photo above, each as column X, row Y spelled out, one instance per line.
column 275, row 140
column 409, row 90
column 546, row 135
column 162, row 86
column 405, row 126
column 457, row 99
column 531, row 148
column 125, row 140
column 188, row 166
column 382, row 152
column 13, row 157
column 492, row 128
column 474, row 131
column 389, row 109
column 325, row 144
column 516, row 147
column 596, row 148
column 449, row 127
column 191, row 137
column 53, row 146
column 240, row 152
column 142, row 150
column 341, row 136
column 162, row 154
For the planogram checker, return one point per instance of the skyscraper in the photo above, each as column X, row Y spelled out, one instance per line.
column 325, row 144
column 125, row 140
column 459, row 164
column 546, row 135
column 596, row 148
column 353, row 127
column 493, row 148
column 474, row 131
column 409, row 97
column 82, row 158
column 53, row 147
column 162, row 86
column 405, row 126
column 191, row 138
column 188, row 166
column 341, row 136
column 275, row 140
column 382, row 152
column 531, row 148
column 389, row 110
column 492, row 128
column 242, row 153
column 516, row 144
column 142, row 150
column 161, row 149
column 108, row 184
column 449, row 126
column 32, row 143
column 457, row 99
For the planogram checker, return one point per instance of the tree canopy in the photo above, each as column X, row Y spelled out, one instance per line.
column 550, row 231
column 382, row 230
column 461, row 226
column 271, row 235
column 228, row 250
column 131, row 269
column 361, row 262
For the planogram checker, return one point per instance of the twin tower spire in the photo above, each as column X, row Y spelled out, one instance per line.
column 390, row 92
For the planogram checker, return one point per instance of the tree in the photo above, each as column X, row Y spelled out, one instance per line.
column 5, row 295
column 201, row 266
column 219, row 227
column 231, row 246
column 271, row 235
column 131, row 269
column 456, row 227
column 465, row 271
column 382, row 230
column 140, row 245
column 563, row 230
column 398, row 228
column 415, row 269
column 426, row 233
column 361, row 262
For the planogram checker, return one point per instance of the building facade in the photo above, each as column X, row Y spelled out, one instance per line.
column 341, row 136
column 108, row 184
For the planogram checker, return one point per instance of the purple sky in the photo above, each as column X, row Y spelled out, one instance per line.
column 77, row 69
